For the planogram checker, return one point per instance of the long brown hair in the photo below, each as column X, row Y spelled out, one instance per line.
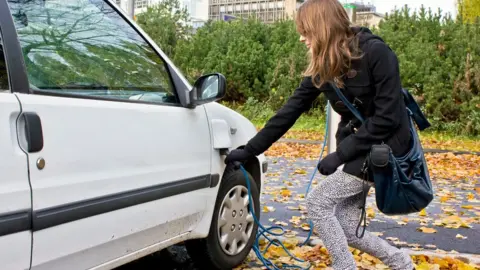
column 333, row 44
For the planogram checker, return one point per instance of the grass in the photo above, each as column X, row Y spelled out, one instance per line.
column 311, row 126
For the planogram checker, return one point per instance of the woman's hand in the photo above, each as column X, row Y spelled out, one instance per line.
column 344, row 131
column 329, row 164
column 238, row 155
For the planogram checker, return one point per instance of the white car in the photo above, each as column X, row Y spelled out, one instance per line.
column 107, row 152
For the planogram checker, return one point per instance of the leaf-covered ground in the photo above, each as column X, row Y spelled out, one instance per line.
column 429, row 140
column 317, row 257
column 441, row 165
column 449, row 224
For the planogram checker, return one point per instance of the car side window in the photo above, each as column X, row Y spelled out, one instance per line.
column 84, row 47
column 3, row 68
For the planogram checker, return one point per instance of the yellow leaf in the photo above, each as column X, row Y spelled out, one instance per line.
column 305, row 227
column 281, row 223
column 459, row 236
column 470, row 196
column 291, row 234
column 423, row 266
column 286, row 193
column 467, row 206
column 427, row 230
column 267, row 209
column 370, row 212
column 423, row 213
column 290, row 243
column 443, row 199
column 300, row 171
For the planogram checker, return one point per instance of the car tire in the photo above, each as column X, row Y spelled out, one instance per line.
column 209, row 253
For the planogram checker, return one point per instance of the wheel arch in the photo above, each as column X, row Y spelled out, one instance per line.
column 253, row 167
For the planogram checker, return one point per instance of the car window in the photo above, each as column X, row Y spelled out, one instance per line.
column 85, row 47
column 3, row 68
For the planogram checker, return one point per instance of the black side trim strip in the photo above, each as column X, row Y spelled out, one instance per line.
column 15, row 222
column 57, row 215
column 13, row 52
column 214, row 180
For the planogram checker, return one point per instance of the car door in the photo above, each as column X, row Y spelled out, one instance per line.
column 116, row 163
column 15, row 196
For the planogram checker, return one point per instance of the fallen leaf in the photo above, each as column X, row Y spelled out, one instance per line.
column 467, row 206
column 305, row 227
column 286, row 193
column 459, row 236
column 392, row 238
column 370, row 212
column 291, row 234
column 426, row 230
column 267, row 209
column 295, row 220
column 423, row 213
column 300, row 171
column 443, row 199
column 281, row 223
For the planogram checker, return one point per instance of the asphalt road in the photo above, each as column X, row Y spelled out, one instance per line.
column 295, row 175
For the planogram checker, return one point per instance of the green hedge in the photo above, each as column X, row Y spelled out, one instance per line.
column 263, row 63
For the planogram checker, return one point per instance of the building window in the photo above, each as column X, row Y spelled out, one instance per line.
column 141, row 3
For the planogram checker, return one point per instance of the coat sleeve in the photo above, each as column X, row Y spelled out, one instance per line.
column 285, row 117
column 387, row 102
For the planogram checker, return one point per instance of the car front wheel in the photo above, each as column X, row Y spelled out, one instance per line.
column 233, row 229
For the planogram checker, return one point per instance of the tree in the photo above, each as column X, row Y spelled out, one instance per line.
column 166, row 23
column 469, row 10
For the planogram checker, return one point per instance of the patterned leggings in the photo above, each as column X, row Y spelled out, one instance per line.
column 334, row 208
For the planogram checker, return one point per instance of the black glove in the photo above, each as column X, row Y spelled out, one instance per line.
column 238, row 155
column 344, row 131
column 329, row 164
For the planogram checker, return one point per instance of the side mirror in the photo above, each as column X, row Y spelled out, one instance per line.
column 207, row 88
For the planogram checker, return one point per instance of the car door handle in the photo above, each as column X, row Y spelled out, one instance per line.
column 33, row 132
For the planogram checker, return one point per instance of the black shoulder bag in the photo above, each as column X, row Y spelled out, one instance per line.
column 402, row 184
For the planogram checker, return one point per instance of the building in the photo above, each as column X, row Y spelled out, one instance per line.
column 198, row 9
column 267, row 11
column 364, row 14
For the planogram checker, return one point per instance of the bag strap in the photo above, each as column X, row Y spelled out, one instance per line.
column 347, row 103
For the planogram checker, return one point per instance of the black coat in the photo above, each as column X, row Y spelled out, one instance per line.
column 375, row 83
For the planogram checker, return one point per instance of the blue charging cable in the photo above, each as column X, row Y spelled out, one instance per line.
column 263, row 231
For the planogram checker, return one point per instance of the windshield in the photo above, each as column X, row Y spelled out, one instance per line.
column 86, row 47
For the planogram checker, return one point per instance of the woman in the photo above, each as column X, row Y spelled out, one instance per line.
column 367, row 71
